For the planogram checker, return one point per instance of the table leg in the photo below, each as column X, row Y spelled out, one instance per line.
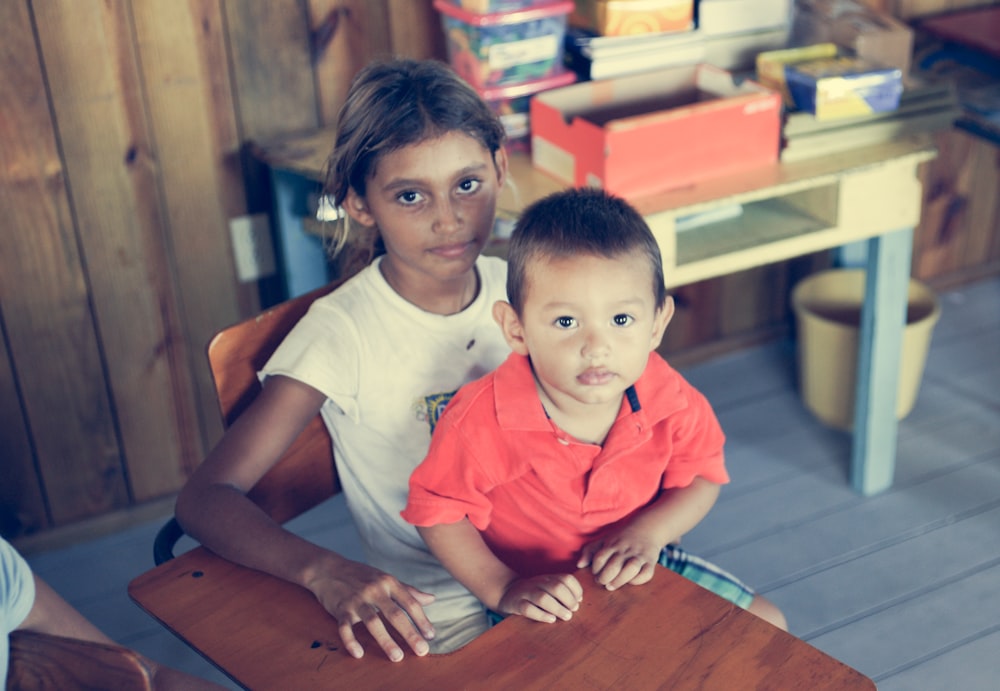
column 873, row 455
column 301, row 255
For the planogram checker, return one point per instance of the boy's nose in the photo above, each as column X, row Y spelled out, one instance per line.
column 595, row 345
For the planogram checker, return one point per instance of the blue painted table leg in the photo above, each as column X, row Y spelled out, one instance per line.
column 883, row 318
column 301, row 255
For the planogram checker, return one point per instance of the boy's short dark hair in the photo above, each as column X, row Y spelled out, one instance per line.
column 579, row 221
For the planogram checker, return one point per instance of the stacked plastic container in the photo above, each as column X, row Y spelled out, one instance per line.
column 508, row 50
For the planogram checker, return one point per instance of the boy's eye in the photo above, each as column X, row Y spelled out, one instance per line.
column 622, row 319
column 410, row 197
column 565, row 322
column 469, row 186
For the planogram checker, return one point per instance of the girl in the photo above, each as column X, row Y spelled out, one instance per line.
column 419, row 157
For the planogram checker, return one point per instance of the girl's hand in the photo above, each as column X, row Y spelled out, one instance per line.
column 355, row 592
column 542, row 598
column 617, row 560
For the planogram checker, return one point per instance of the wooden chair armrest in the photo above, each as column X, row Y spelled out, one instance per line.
column 43, row 662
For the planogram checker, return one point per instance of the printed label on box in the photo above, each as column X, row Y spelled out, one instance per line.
column 557, row 161
column 504, row 55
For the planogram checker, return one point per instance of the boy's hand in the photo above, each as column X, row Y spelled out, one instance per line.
column 542, row 598
column 617, row 560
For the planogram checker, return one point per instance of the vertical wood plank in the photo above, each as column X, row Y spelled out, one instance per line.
column 695, row 319
column 22, row 510
column 346, row 35
column 48, row 324
column 752, row 299
column 271, row 65
column 89, row 55
column 181, row 50
column 983, row 218
column 415, row 29
column 940, row 234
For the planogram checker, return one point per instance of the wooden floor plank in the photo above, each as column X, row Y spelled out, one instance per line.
column 974, row 666
column 893, row 640
column 837, row 596
column 829, row 539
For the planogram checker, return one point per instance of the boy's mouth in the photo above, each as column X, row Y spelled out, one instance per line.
column 595, row 376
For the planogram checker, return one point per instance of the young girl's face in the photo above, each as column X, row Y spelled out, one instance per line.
column 434, row 204
column 588, row 324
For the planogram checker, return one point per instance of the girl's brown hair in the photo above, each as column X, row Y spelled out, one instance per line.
column 393, row 104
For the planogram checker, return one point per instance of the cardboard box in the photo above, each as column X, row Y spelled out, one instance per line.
column 820, row 80
column 658, row 130
column 628, row 17
column 852, row 25
column 504, row 48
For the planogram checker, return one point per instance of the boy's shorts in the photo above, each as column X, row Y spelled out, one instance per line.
column 707, row 575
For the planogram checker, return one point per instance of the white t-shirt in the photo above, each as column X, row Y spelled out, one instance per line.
column 388, row 368
column 17, row 597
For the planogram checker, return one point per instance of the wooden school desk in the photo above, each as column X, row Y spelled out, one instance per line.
column 266, row 633
column 869, row 194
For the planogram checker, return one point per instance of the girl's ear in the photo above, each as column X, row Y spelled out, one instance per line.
column 660, row 321
column 500, row 162
column 510, row 324
column 357, row 208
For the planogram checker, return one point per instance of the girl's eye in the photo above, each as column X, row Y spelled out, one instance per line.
column 622, row 319
column 469, row 186
column 410, row 197
column 565, row 322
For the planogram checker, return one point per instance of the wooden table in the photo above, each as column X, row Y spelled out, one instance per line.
column 269, row 634
column 869, row 195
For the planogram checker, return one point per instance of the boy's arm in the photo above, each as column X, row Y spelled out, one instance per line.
column 630, row 555
column 461, row 549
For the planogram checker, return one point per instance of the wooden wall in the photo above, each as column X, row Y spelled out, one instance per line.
column 123, row 138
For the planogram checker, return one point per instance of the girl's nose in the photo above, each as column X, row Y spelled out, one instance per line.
column 447, row 218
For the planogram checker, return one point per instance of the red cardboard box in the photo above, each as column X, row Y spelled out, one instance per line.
column 653, row 131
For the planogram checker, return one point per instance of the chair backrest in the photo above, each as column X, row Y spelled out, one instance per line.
column 306, row 474
column 43, row 662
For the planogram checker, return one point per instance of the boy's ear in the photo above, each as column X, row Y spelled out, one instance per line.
column 510, row 324
column 357, row 208
column 660, row 321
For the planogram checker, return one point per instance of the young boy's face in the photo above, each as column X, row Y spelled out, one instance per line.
column 588, row 323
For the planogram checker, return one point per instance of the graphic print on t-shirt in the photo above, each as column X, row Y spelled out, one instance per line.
column 431, row 408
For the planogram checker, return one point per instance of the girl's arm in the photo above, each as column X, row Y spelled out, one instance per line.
column 213, row 508
column 631, row 554
column 461, row 549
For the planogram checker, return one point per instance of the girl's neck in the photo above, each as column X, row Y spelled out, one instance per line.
column 436, row 297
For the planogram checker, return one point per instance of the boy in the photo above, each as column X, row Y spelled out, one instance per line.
column 584, row 448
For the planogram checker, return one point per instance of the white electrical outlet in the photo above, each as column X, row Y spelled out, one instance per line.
column 252, row 247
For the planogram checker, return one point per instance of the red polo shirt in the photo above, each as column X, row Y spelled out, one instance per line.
column 536, row 494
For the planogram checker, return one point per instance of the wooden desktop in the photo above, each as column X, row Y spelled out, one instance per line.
column 266, row 633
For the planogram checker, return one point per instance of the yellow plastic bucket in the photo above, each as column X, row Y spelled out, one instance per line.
column 827, row 308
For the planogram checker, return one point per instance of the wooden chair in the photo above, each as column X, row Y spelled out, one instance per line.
column 43, row 662
column 305, row 475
